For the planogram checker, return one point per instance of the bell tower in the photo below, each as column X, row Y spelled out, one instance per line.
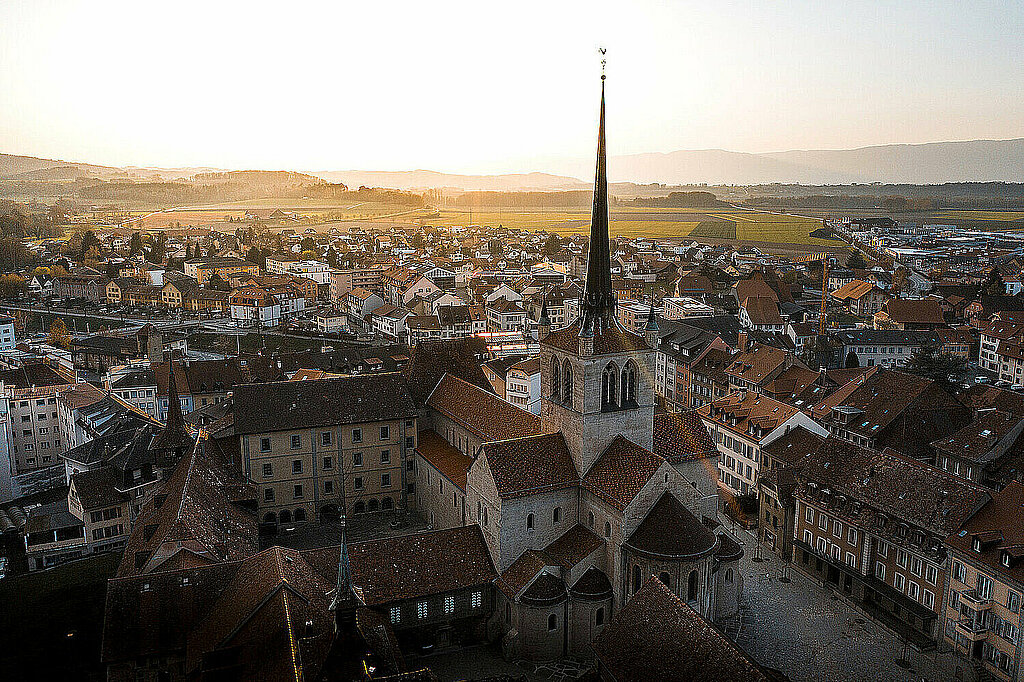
column 597, row 379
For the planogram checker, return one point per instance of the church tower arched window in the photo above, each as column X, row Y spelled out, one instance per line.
column 567, row 383
column 556, row 379
column 629, row 377
column 609, row 384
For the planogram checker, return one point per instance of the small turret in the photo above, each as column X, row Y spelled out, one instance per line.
column 651, row 329
column 544, row 323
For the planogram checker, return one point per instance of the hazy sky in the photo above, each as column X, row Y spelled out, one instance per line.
column 495, row 86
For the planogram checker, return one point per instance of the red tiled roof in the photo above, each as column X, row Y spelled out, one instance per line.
column 444, row 457
column 481, row 412
column 524, row 466
column 621, row 472
column 612, row 340
column 682, row 436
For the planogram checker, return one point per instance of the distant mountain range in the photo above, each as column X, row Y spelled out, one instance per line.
column 931, row 163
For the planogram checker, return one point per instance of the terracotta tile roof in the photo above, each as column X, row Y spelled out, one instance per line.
column 853, row 290
column 523, row 570
column 444, row 457
column 982, row 397
column 656, row 637
column 621, row 472
column 575, row 545
column 413, row 566
column 1000, row 517
column 481, row 412
column 914, row 311
column 613, row 340
column 754, row 288
column 682, row 436
column 762, row 310
column 81, row 395
column 525, row 466
column 286, row 405
column 671, row 530
column 793, row 446
column 753, row 410
column 97, row 488
column 757, row 364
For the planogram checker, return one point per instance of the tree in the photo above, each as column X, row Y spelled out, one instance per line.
column 59, row 336
column 217, row 282
column 418, row 241
column 553, row 245
column 994, row 285
column 899, row 281
column 89, row 241
column 856, row 260
column 135, row 244
column 12, row 286
column 930, row 362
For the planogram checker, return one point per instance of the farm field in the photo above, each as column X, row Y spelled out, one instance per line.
column 722, row 224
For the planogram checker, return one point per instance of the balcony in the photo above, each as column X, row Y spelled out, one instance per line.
column 972, row 630
column 973, row 601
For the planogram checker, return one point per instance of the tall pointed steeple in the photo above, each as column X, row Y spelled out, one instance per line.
column 345, row 599
column 172, row 441
column 597, row 305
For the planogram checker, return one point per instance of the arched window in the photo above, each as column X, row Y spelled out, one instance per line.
column 529, row 522
column 552, row 622
column 300, row 514
column 270, row 517
column 387, row 503
column 609, row 381
column 728, row 576
column 286, row 516
column 359, row 507
column 556, row 515
column 590, row 519
column 556, row 379
column 636, row 577
column 567, row 383
column 629, row 375
column 691, row 587
column 508, row 612
column 665, row 579
column 599, row 616
column 373, row 505
column 607, row 529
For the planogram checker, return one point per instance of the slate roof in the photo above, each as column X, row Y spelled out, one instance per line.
column 671, row 530
column 682, row 436
column 32, row 375
column 286, row 405
column 481, row 412
column 525, row 466
column 621, row 472
column 656, row 637
column 98, row 488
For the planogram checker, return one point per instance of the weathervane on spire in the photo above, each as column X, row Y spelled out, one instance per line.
column 604, row 61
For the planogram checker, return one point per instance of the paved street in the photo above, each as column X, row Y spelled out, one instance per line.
column 812, row 634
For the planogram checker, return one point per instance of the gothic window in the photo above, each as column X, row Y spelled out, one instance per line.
column 609, row 382
column 629, row 374
column 556, row 379
column 636, row 578
column 567, row 384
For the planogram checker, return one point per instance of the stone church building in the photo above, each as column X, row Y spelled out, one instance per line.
column 576, row 508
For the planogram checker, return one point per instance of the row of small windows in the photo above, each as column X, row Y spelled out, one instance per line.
column 618, row 387
column 476, row 600
column 326, row 438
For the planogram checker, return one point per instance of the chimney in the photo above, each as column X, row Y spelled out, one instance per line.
column 742, row 339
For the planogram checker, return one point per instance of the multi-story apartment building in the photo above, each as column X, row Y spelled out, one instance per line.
column 344, row 281
column 89, row 287
column 7, row 341
column 872, row 525
column 1002, row 349
column 982, row 618
column 881, row 347
column 29, row 394
column 741, row 424
column 314, row 448
column 680, row 347
column 522, row 385
column 311, row 269
column 201, row 269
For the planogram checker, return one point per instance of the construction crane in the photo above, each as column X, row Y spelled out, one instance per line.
column 823, row 259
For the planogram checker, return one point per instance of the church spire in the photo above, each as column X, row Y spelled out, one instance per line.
column 344, row 596
column 598, row 302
